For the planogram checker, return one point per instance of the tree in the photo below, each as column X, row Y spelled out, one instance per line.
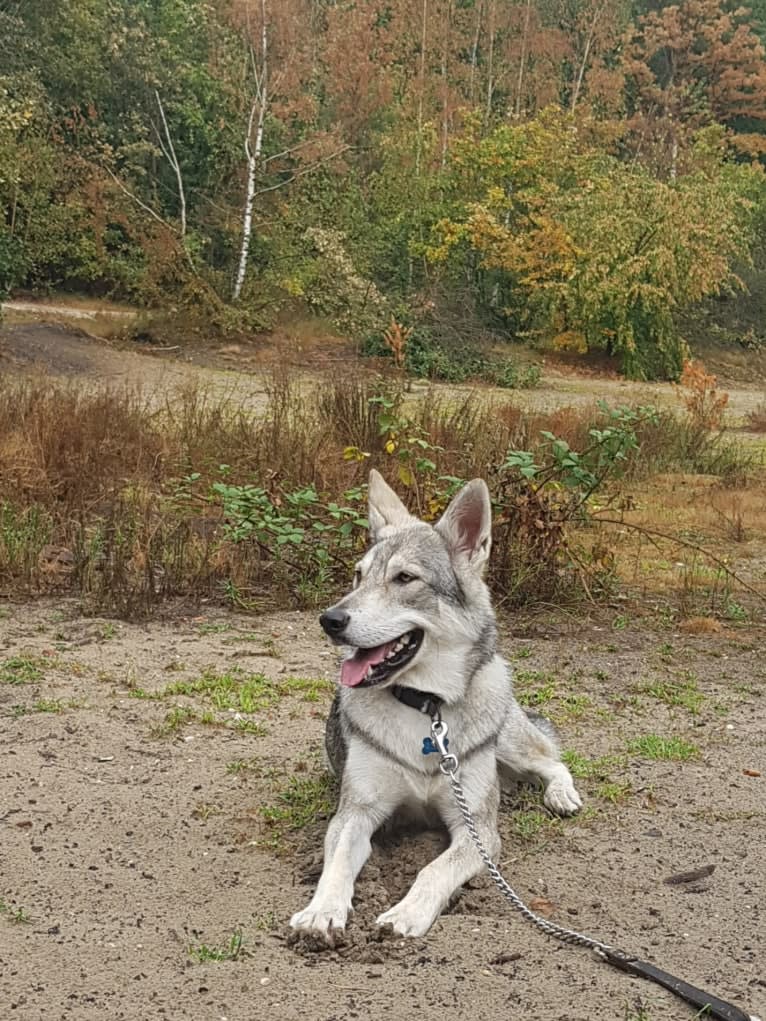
column 597, row 253
column 688, row 66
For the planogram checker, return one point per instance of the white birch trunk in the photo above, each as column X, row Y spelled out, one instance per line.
column 170, row 155
column 253, row 155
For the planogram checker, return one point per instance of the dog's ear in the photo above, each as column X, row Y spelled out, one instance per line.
column 386, row 512
column 466, row 525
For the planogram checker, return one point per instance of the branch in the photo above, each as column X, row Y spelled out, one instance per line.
column 173, row 160
column 286, row 152
column 300, row 173
column 649, row 532
column 147, row 209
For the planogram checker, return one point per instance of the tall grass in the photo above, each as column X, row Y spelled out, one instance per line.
column 126, row 503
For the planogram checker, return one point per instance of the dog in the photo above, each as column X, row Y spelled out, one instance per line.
column 421, row 634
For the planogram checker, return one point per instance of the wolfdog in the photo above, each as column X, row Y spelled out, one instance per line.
column 421, row 634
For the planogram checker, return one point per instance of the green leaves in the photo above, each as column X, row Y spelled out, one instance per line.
column 583, row 471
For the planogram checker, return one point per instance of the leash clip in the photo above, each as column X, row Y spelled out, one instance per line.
column 448, row 763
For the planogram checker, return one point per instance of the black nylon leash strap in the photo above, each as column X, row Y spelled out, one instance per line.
column 708, row 1006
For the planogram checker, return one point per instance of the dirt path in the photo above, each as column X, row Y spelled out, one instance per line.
column 69, row 353
column 133, row 829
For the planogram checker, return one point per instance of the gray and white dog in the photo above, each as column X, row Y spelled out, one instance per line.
column 421, row 629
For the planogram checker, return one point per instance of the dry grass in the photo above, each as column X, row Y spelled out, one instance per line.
column 756, row 419
column 105, row 494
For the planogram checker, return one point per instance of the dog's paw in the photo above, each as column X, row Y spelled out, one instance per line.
column 327, row 924
column 405, row 920
column 561, row 796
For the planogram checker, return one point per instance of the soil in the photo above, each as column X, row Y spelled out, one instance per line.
column 68, row 352
column 133, row 832
column 127, row 848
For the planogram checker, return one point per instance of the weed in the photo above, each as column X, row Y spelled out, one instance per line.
column 228, row 952
column 203, row 811
column 133, row 503
column 52, row 705
column 638, row 1013
column 591, row 769
column 237, row 766
column 684, row 693
column 174, row 721
column 17, row 916
column 213, row 629
column 20, row 670
column 250, row 727
column 304, row 800
column 574, row 707
column 656, row 748
column 266, row 922
column 528, row 824
column 614, row 792
column 735, row 611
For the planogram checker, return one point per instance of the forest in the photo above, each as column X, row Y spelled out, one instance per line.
column 574, row 174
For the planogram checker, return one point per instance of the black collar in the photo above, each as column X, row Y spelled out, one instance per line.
column 423, row 701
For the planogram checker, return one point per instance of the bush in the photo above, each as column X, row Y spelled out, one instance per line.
column 426, row 358
column 135, row 501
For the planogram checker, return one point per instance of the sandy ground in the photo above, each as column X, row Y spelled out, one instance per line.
column 136, row 830
column 127, row 844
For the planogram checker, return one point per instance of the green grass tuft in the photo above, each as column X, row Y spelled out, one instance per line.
column 228, row 952
column 663, row 749
column 20, row 670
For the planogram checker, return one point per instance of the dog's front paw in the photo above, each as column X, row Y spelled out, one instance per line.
column 325, row 922
column 405, row 920
column 561, row 796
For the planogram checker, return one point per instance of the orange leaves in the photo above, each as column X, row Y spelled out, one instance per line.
column 396, row 337
column 698, row 390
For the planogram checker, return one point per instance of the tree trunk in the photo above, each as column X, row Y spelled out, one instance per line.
column 490, row 62
column 523, row 58
column 584, row 62
column 253, row 153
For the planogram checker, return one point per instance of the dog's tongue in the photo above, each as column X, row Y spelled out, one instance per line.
column 354, row 670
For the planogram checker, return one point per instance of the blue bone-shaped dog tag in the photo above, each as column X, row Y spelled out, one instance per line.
column 429, row 747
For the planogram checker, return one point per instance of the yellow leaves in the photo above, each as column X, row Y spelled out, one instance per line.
column 405, row 475
column 571, row 340
column 354, row 454
column 448, row 234
column 390, row 446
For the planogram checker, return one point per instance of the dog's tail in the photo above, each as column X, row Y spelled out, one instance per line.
column 542, row 723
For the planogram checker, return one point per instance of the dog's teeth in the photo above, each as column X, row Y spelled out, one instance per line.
column 397, row 648
column 369, row 671
column 406, row 639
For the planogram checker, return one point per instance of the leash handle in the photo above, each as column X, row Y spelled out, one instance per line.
column 709, row 1006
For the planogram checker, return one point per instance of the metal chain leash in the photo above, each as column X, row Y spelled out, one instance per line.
column 712, row 1006
column 449, row 766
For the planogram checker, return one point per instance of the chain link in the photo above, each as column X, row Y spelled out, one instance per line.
column 449, row 766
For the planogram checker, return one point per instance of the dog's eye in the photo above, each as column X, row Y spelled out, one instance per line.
column 404, row 579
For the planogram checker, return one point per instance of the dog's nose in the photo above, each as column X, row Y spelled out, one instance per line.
column 334, row 622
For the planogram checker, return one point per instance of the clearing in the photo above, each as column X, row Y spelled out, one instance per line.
column 162, row 802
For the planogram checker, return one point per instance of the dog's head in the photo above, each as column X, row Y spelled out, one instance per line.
column 419, row 603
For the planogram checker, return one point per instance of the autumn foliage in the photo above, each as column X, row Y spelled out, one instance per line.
column 571, row 171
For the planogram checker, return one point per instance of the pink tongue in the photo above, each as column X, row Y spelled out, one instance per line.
column 354, row 670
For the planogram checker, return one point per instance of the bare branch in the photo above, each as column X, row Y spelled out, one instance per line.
column 147, row 209
column 170, row 154
column 300, row 173
column 650, row 532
